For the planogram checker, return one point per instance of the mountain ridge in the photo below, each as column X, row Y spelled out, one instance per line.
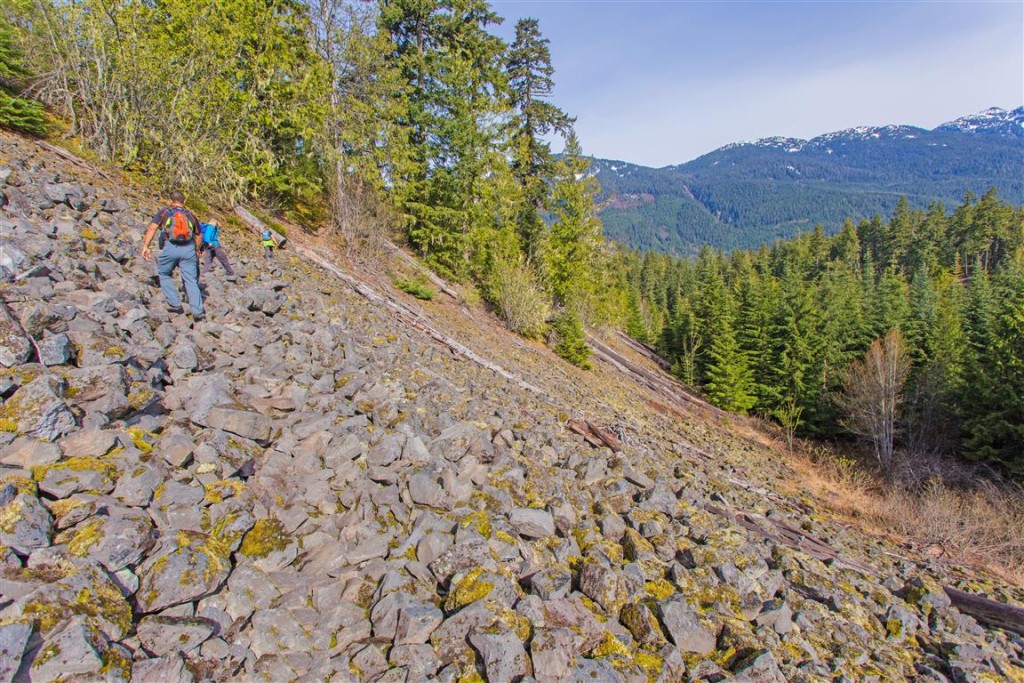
column 747, row 193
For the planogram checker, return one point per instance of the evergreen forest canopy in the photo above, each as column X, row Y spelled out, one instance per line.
column 780, row 331
column 413, row 115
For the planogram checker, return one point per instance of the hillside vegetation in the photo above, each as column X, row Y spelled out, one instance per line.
column 309, row 486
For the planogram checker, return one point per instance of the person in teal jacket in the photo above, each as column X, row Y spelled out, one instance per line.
column 213, row 249
column 267, row 240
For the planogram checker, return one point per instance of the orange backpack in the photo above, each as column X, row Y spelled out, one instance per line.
column 180, row 226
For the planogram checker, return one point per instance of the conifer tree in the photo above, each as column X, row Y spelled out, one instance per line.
column 530, row 84
column 575, row 237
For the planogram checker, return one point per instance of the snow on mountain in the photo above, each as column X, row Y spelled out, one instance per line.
column 991, row 121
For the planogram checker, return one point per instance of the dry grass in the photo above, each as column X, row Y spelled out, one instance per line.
column 978, row 523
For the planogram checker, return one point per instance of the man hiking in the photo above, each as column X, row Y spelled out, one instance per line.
column 180, row 241
column 212, row 248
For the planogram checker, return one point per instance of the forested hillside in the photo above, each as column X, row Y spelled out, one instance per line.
column 743, row 195
column 782, row 331
column 409, row 118
column 401, row 117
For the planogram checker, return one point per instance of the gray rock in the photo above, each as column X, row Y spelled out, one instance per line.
column 385, row 451
column 761, row 668
column 684, row 628
column 416, row 623
column 15, row 347
column 66, row 477
column 117, row 539
column 184, row 357
column 552, row 652
column 101, row 388
column 642, row 623
column 419, row 659
column 460, row 440
column 186, row 567
column 167, row 669
column 75, row 589
column 56, row 349
column 590, row 670
column 601, row 584
column 136, row 486
column 37, row 409
column 73, row 649
column 176, row 449
column 26, row 525
column 370, row 661
column 13, row 641
column 26, row 452
column 245, row 423
column 550, row 584
column 162, row 635
column 277, row 631
column 777, row 615
column 532, row 523
column 249, row 589
column 424, row 489
column 503, row 655
column 88, row 443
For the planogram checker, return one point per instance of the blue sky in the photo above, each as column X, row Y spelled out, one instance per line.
column 663, row 82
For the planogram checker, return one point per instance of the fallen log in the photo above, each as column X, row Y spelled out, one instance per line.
column 441, row 285
column 259, row 226
column 594, row 434
column 73, row 158
column 412, row 319
column 987, row 611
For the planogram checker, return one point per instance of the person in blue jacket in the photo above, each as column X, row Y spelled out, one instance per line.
column 212, row 248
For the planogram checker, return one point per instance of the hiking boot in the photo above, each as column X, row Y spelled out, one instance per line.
column 175, row 309
column 198, row 318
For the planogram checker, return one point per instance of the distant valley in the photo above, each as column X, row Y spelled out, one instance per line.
column 745, row 194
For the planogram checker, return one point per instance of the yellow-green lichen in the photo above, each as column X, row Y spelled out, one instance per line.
column 610, row 645
column 108, row 469
column 265, row 537
column 659, row 589
column 139, row 436
column 468, row 590
column 82, row 538
column 480, row 520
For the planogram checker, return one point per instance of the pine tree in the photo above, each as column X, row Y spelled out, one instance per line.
column 575, row 237
column 530, row 83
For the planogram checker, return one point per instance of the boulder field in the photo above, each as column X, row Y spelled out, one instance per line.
column 304, row 487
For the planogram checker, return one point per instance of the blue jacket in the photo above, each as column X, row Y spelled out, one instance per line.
column 211, row 235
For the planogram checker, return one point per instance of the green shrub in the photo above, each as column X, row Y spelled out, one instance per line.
column 514, row 290
column 570, row 340
column 417, row 288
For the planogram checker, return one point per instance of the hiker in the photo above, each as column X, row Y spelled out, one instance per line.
column 267, row 240
column 180, row 242
column 212, row 248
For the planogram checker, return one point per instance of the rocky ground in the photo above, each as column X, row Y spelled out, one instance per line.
column 302, row 487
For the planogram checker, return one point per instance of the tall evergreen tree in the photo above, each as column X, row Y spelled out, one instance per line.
column 530, row 83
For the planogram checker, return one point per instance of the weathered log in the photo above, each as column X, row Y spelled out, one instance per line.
column 68, row 156
column 259, row 226
column 987, row 611
column 594, row 434
column 410, row 317
column 441, row 285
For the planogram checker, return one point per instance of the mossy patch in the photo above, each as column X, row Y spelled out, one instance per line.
column 265, row 537
column 218, row 491
column 83, row 537
column 467, row 590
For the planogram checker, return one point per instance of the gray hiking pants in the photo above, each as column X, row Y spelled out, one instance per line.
column 211, row 252
column 184, row 258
